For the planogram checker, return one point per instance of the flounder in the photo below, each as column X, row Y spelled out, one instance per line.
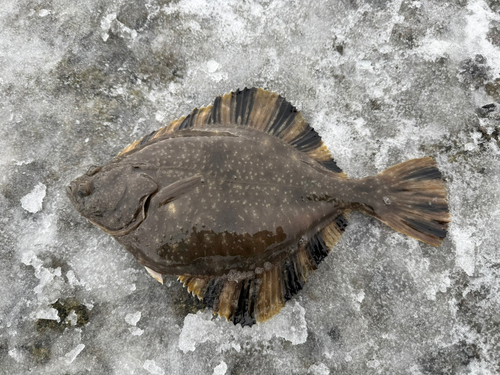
column 242, row 201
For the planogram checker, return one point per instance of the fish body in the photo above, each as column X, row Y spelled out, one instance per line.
column 242, row 201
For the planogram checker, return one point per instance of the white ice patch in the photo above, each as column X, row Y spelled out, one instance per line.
column 51, row 283
column 49, row 313
column 289, row 324
column 212, row 66
column 373, row 363
column 106, row 25
column 136, row 331
column 465, row 248
column 72, row 280
column 44, row 12
column 32, row 202
column 213, row 71
column 320, row 369
column 111, row 24
column 152, row 368
column 132, row 319
column 71, row 356
column 220, row 369
column 72, row 318
column 358, row 297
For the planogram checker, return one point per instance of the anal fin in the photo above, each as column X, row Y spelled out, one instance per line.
column 195, row 285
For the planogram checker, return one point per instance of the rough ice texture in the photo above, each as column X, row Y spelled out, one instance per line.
column 382, row 81
column 198, row 328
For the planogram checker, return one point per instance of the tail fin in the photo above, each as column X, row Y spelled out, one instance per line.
column 414, row 202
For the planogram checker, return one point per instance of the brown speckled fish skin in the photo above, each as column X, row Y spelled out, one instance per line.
column 214, row 200
column 253, row 201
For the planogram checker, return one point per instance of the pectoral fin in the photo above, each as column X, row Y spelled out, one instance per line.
column 173, row 191
column 157, row 276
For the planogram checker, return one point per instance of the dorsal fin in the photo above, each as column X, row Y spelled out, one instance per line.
column 261, row 296
column 258, row 109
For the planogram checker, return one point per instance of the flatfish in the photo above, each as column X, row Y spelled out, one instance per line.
column 242, row 201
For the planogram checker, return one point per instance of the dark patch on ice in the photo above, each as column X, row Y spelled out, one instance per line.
column 475, row 71
column 64, row 309
column 134, row 15
column 334, row 334
column 375, row 105
column 471, row 312
column 492, row 88
column 449, row 360
column 485, row 110
column 494, row 5
column 494, row 33
column 40, row 351
column 404, row 35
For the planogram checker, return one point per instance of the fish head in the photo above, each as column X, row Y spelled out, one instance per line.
column 114, row 197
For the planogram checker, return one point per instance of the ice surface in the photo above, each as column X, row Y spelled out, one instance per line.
column 32, row 202
column 382, row 81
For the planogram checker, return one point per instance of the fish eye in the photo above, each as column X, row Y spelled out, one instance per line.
column 93, row 170
column 84, row 189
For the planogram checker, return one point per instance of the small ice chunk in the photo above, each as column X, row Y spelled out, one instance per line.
column 106, row 25
column 220, row 369
column 44, row 12
column 320, row 369
column 136, row 331
column 70, row 357
column 72, row 280
column 32, row 202
column 360, row 296
column 49, row 314
column 106, row 21
column 132, row 319
column 72, row 318
column 195, row 331
column 212, row 66
column 152, row 368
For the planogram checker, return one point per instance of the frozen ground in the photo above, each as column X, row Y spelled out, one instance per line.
column 382, row 81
